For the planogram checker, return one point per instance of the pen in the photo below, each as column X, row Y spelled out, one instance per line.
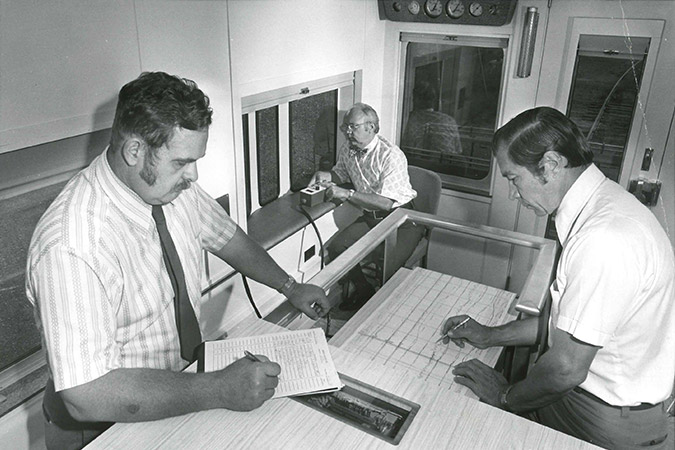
column 251, row 356
column 454, row 328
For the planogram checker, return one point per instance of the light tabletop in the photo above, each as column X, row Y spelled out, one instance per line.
column 449, row 417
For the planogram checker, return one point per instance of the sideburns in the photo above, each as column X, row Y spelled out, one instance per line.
column 148, row 172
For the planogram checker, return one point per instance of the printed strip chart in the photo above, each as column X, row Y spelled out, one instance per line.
column 402, row 333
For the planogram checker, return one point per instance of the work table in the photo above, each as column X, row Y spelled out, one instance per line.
column 447, row 418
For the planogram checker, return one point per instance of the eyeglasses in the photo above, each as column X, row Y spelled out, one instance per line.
column 351, row 127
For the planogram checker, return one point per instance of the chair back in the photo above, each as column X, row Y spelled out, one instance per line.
column 428, row 186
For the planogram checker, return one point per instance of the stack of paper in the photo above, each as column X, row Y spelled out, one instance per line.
column 306, row 363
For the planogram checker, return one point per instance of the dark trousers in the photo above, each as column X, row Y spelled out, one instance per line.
column 407, row 238
column 61, row 430
column 580, row 415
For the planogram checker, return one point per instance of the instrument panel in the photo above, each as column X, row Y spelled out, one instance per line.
column 460, row 12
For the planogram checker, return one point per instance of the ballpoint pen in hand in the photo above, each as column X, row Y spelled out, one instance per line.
column 453, row 329
column 251, row 356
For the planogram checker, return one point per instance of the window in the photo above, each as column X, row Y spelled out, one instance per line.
column 604, row 95
column 30, row 179
column 450, row 103
column 20, row 214
column 267, row 148
column 603, row 98
column 290, row 133
column 312, row 136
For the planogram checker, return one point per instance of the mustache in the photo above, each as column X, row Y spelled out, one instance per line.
column 183, row 185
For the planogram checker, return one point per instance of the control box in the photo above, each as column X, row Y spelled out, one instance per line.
column 312, row 195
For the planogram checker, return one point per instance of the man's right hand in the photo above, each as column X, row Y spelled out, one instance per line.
column 472, row 332
column 248, row 384
column 321, row 176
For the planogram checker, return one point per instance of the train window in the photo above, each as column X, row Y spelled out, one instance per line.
column 19, row 337
column 604, row 93
column 312, row 136
column 450, row 104
column 30, row 179
column 267, row 148
column 603, row 98
column 290, row 133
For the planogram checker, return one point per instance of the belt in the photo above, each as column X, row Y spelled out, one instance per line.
column 640, row 407
column 379, row 214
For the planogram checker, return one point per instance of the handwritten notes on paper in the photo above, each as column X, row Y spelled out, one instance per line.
column 306, row 363
column 403, row 332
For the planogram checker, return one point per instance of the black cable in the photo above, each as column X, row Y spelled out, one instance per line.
column 321, row 253
column 250, row 297
column 318, row 235
column 316, row 230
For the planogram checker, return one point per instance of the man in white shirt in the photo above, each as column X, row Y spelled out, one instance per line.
column 114, row 274
column 378, row 170
column 610, row 365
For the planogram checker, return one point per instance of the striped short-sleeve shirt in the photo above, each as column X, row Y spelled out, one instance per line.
column 382, row 170
column 96, row 277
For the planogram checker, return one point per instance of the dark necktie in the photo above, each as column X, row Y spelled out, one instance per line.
column 186, row 321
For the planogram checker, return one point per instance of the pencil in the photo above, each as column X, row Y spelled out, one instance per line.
column 454, row 328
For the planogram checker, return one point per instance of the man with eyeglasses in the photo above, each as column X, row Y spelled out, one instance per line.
column 378, row 170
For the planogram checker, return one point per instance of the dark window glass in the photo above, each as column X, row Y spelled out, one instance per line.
column 267, row 139
column 604, row 96
column 312, row 136
column 451, row 98
column 247, row 163
column 19, row 336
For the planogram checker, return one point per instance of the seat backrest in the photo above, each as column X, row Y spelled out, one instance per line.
column 428, row 187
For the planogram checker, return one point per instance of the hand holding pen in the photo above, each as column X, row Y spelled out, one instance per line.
column 450, row 327
column 461, row 329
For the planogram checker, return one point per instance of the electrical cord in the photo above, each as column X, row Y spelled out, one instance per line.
column 321, row 253
column 250, row 296
column 316, row 230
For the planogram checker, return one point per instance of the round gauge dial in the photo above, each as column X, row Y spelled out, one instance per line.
column 433, row 8
column 455, row 8
column 414, row 7
column 476, row 9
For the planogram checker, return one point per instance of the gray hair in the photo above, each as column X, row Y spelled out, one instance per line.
column 367, row 111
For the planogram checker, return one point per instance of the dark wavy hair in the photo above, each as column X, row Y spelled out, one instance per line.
column 532, row 133
column 154, row 104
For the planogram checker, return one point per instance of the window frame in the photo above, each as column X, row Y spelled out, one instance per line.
column 347, row 84
column 483, row 187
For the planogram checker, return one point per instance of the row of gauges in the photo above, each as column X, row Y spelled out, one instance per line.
column 434, row 8
column 456, row 12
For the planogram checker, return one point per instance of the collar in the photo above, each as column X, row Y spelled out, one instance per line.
column 133, row 207
column 359, row 152
column 575, row 200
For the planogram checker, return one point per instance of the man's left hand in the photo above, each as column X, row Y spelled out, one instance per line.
column 483, row 380
column 337, row 193
column 309, row 299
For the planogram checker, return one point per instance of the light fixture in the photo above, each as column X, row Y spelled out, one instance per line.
column 527, row 43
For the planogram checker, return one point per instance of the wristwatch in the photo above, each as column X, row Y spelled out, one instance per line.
column 503, row 400
column 287, row 285
column 351, row 194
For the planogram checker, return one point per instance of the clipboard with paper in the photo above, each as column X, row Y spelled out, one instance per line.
column 306, row 363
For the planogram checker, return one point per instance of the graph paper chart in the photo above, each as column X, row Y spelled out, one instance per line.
column 403, row 331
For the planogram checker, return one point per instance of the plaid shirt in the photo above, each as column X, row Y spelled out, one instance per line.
column 96, row 278
column 382, row 170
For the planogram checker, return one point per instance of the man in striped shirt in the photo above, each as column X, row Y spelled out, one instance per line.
column 103, row 299
column 378, row 170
